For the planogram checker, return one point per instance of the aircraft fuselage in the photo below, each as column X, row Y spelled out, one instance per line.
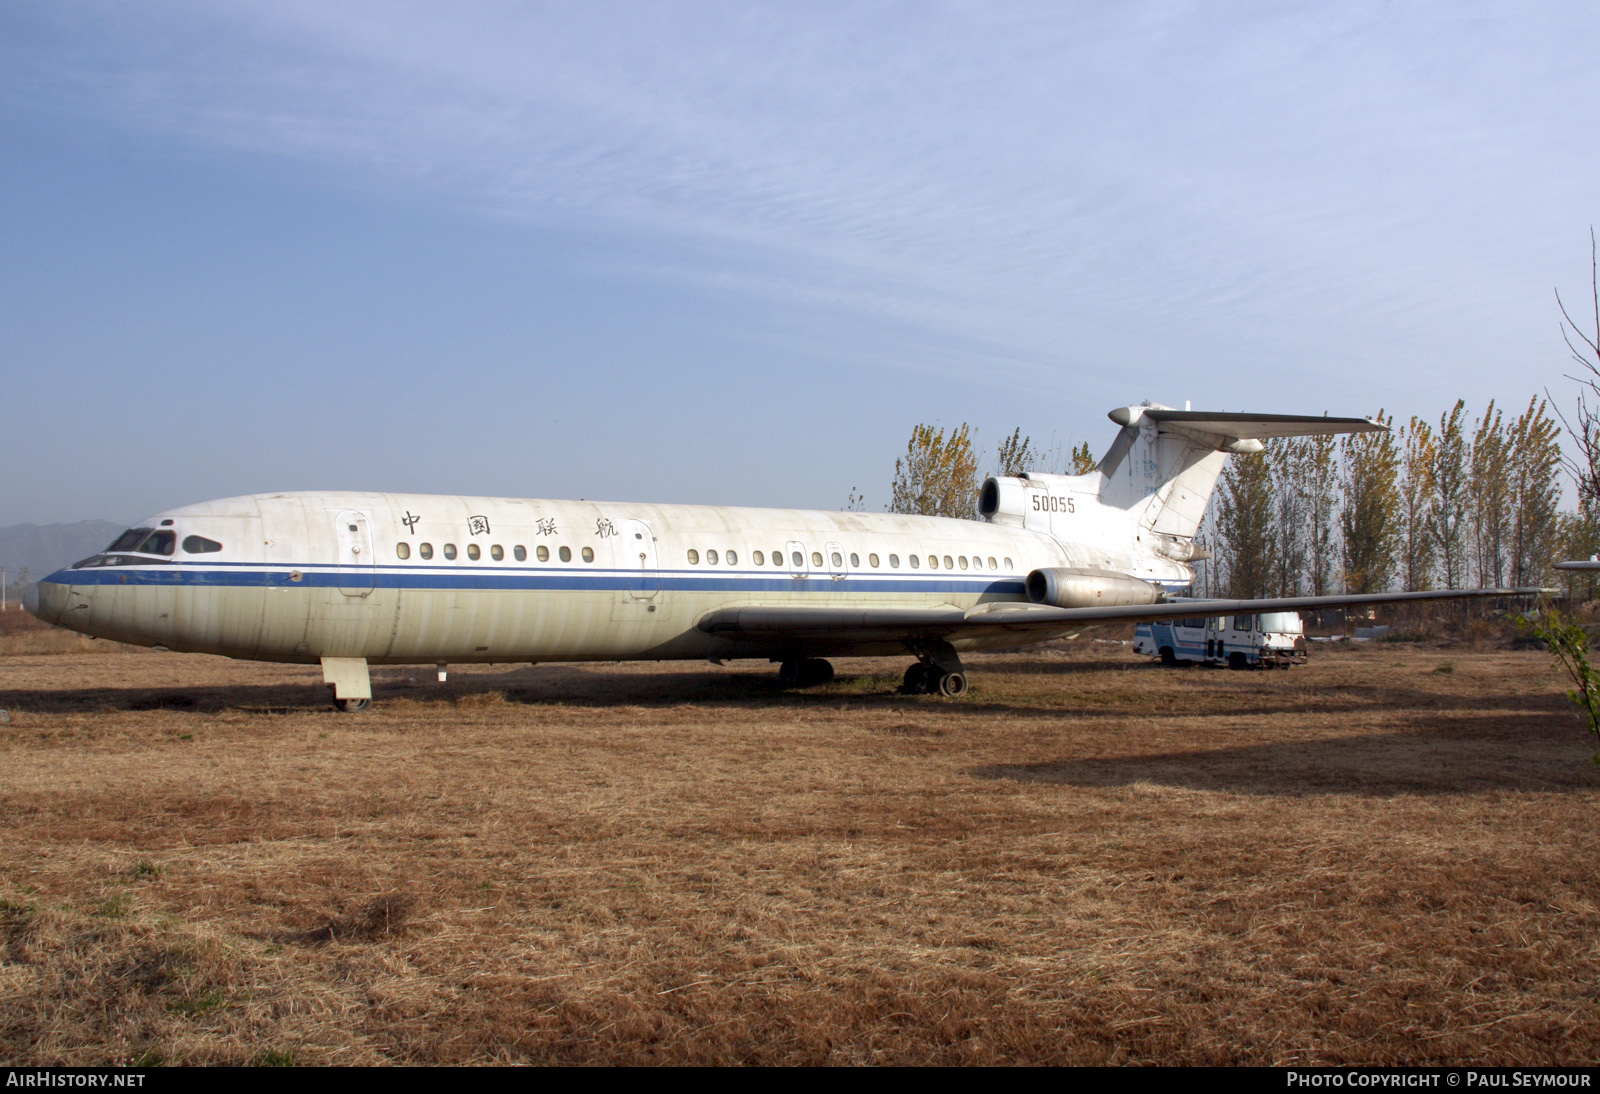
column 399, row 578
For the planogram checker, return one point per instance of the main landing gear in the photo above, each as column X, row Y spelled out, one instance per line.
column 938, row 671
column 804, row 672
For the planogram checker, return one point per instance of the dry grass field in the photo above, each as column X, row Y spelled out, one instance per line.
column 1388, row 856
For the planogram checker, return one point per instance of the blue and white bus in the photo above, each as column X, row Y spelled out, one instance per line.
column 1267, row 640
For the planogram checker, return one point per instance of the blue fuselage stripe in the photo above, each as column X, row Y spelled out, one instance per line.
column 530, row 579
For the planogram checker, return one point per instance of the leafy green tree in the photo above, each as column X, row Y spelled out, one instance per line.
column 1083, row 460
column 1371, row 515
column 938, row 476
column 1569, row 644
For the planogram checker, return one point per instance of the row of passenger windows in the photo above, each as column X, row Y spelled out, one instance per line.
column 797, row 560
column 712, row 557
column 496, row 552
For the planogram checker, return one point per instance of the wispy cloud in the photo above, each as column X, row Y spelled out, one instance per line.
column 1051, row 183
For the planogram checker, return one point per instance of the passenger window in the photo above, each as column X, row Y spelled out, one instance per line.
column 798, row 559
column 565, row 554
column 949, row 564
column 497, row 552
column 933, row 562
column 694, row 557
column 816, row 559
column 1008, row 564
column 520, row 553
column 544, row 553
column 733, row 558
column 449, row 550
column 711, row 558
column 473, row 552
column 757, row 558
column 894, row 562
column 977, row 562
column 200, row 545
column 838, row 561
column 777, row 558
column 963, row 560
column 855, row 561
column 403, row 550
column 992, row 566
column 425, row 550
column 872, row 560
column 588, row 554
column 914, row 563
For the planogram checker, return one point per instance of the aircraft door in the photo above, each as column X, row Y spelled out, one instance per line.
column 639, row 556
column 834, row 555
column 357, row 563
column 797, row 558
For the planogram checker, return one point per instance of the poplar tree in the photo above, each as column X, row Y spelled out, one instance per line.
column 1418, row 460
column 1287, row 459
column 1370, row 517
column 1447, row 511
column 1534, row 461
column 938, row 476
column 1490, row 493
column 1319, row 478
column 1245, row 531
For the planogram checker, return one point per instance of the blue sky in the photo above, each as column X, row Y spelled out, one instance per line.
column 731, row 253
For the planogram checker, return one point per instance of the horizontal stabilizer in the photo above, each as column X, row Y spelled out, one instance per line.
column 1245, row 426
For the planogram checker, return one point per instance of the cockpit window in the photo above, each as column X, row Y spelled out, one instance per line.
column 200, row 545
column 128, row 540
column 158, row 543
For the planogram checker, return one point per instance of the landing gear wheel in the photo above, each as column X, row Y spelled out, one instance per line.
column 1168, row 658
column 351, row 706
column 789, row 674
column 952, row 684
column 1236, row 661
column 916, row 679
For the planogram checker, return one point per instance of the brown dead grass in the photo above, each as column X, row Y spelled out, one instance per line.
column 1086, row 860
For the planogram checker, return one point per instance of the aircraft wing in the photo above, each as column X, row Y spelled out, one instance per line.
column 842, row 627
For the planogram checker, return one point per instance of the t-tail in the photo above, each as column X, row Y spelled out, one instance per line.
column 1149, row 492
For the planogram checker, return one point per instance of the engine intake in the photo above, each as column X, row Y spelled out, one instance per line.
column 1072, row 587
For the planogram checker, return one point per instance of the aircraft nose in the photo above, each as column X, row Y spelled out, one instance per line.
column 42, row 599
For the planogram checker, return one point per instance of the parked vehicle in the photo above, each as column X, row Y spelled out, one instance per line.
column 1268, row 640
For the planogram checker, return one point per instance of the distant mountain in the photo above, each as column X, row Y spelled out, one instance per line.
column 45, row 548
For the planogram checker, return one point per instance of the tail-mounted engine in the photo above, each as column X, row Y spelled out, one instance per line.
column 1071, row 587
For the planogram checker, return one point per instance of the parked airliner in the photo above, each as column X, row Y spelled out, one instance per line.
column 350, row 580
